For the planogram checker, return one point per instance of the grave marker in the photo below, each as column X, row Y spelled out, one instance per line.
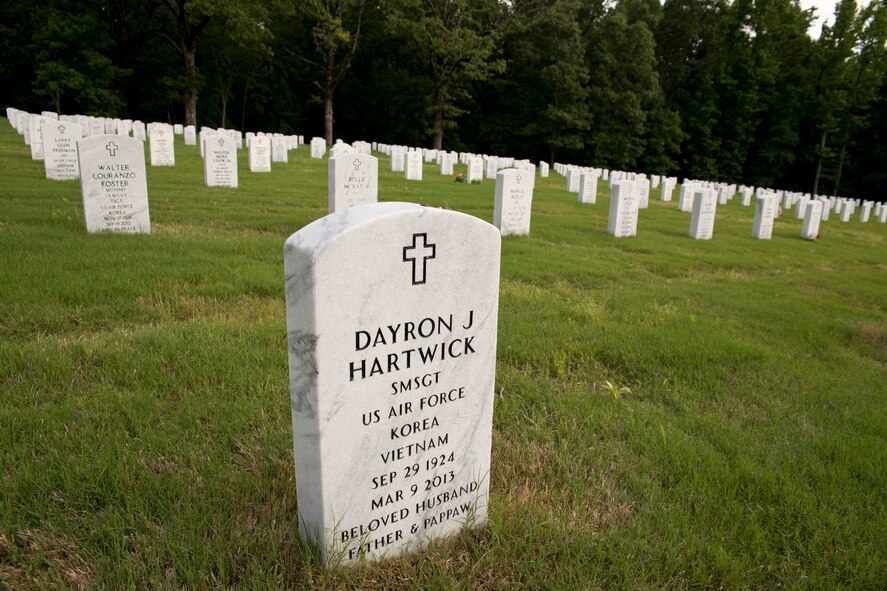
column 59, row 140
column 391, row 322
column 113, row 184
column 219, row 161
column 702, row 219
column 812, row 216
column 353, row 179
column 161, row 147
column 260, row 154
column 623, row 215
column 513, row 201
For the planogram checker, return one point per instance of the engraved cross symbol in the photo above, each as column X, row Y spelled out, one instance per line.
column 356, row 164
column 61, row 129
column 221, row 141
column 425, row 251
column 517, row 178
column 112, row 148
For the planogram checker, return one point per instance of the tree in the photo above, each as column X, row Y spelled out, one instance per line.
column 457, row 40
column 243, row 20
column 70, row 49
column 336, row 35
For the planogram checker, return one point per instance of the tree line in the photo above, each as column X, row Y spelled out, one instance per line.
column 728, row 91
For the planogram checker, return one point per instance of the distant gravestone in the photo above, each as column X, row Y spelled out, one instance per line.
column 543, row 169
column 113, row 184
column 623, row 215
column 178, row 129
column 190, row 135
column 666, row 188
column 391, row 322
column 846, row 211
column 161, row 146
column 219, row 161
column 573, row 179
column 398, row 160
column 702, row 220
column 865, row 210
column 413, row 166
column 644, row 192
column 475, row 170
column 882, row 215
column 446, row 164
column 513, row 201
column 318, row 147
column 812, row 216
column 353, row 179
column 765, row 213
column 279, row 151
column 60, row 149
column 588, row 187
column 138, row 131
column 260, row 154
column 35, row 133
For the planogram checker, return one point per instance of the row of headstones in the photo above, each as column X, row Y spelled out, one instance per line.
column 393, row 465
column 700, row 198
column 111, row 166
column 353, row 179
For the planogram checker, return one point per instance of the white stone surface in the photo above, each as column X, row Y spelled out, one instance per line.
column 765, row 213
column 475, row 170
column 60, row 149
column 279, row 151
column 260, row 154
column 353, row 179
column 588, row 187
column 623, row 215
column 413, row 166
column 812, row 216
column 219, row 161
column 318, row 147
column 35, row 134
column 702, row 219
column 190, row 135
column 113, row 184
column 513, row 201
column 391, row 323
column 160, row 142
column 543, row 169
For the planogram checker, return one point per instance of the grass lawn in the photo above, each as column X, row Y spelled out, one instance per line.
column 145, row 434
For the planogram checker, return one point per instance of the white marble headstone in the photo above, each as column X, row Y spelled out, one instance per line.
column 60, row 149
column 279, row 149
column 513, row 201
column 812, row 216
column 318, row 147
column 260, row 154
column 391, row 323
column 219, row 161
column 35, row 134
column 765, row 213
column 475, row 170
column 623, row 214
column 588, row 187
column 702, row 220
column 413, row 166
column 162, row 148
column 190, row 135
column 353, row 179
column 113, row 184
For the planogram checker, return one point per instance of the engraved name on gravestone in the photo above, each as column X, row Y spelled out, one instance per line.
column 60, row 149
column 220, row 161
column 353, row 179
column 391, row 323
column 513, row 201
column 112, row 181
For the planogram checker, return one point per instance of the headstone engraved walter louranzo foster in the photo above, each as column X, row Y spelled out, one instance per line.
column 391, row 321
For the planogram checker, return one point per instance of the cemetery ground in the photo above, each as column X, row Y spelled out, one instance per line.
column 669, row 413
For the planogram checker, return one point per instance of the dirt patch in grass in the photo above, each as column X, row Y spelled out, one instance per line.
column 31, row 559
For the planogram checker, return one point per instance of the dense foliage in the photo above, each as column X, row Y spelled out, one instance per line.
column 711, row 89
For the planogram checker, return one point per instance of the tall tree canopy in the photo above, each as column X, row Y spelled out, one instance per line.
column 729, row 90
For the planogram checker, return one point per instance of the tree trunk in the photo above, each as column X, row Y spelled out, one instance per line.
column 224, row 107
column 819, row 162
column 328, row 115
column 243, row 111
column 439, row 101
column 191, row 90
column 840, row 165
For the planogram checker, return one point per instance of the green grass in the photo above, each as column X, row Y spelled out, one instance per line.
column 145, row 436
